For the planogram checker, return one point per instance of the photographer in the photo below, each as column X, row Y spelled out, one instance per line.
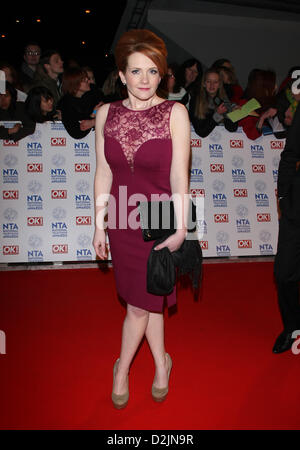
column 209, row 106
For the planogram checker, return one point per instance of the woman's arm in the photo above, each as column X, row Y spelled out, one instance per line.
column 179, row 174
column 249, row 125
column 102, row 184
column 203, row 127
column 71, row 120
column 230, row 126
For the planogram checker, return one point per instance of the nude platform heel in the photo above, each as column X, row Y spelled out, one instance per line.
column 160, row 394
column 119, row 401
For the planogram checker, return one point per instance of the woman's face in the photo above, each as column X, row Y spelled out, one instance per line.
column 85, row 85
column 170, row 80
column 5, row 100
column 191, row 74
column 225, row 77
column 46, row 105
column 212, row 84
column 141, row 76
column 91, row 77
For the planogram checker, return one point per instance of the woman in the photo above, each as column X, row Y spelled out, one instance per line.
column 79, row 103
column 283, row 109
column 142, row 146
column 261, row 86
column 40, row 105
column 208, row 109
column 189, row 77
column 233, row 90
column 13, row 111
column 112, row 88
column 230, row 82
column 11, row 76
column 174, row 91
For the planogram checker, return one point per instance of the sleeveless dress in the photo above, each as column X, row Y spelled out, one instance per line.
column 138, row 149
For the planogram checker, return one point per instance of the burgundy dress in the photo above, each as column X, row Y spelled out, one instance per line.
column 138, row 149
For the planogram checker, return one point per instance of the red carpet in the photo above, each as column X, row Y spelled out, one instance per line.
column 63, row 330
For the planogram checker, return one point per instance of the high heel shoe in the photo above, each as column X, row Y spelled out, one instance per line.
column 160, row 394
column 119, row 401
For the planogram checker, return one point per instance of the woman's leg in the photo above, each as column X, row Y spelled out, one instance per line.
column 134, row 328
column 155, row 337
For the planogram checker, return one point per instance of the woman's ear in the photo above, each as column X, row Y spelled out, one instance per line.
column 122, row 78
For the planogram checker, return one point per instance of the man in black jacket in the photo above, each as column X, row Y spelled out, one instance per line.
column 287, row 260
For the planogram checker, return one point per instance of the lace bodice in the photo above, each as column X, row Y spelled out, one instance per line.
column 133, row 128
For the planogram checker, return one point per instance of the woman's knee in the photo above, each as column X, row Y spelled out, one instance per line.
column 136, row 312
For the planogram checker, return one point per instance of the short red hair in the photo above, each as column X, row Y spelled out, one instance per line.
column 71, row 80
column 141, row 41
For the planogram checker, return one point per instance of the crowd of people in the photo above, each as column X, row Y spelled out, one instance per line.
column 46, row 89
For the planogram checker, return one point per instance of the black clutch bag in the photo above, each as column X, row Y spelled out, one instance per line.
column 158, row 219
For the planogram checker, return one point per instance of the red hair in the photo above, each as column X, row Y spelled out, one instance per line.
column 261, row 85
column 141, row 41
column 72, row 79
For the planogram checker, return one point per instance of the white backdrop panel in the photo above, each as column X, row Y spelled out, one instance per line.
column 47, row 209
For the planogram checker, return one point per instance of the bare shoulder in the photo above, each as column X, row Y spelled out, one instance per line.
column 102, row 115
column 179, row 112
column 179, row 117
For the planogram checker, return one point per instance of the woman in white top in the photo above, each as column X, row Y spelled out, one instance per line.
column 175, row 92
column 12, row 77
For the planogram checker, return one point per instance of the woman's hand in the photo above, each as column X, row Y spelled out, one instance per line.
column 221, row 109
column 96, row 109
column 15, row 128
column 99, row 243
column 271, row 112
column 173, row 242
column 87, row 124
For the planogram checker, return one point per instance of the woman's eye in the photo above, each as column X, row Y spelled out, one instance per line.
column 154, row 71
column 135, row 71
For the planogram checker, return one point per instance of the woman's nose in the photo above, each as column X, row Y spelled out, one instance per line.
column 144, row 78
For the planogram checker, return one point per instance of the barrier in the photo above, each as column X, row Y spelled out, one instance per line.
column 47, row 210
column 238, row 179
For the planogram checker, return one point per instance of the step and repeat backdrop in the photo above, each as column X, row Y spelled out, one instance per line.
column 47, row 206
